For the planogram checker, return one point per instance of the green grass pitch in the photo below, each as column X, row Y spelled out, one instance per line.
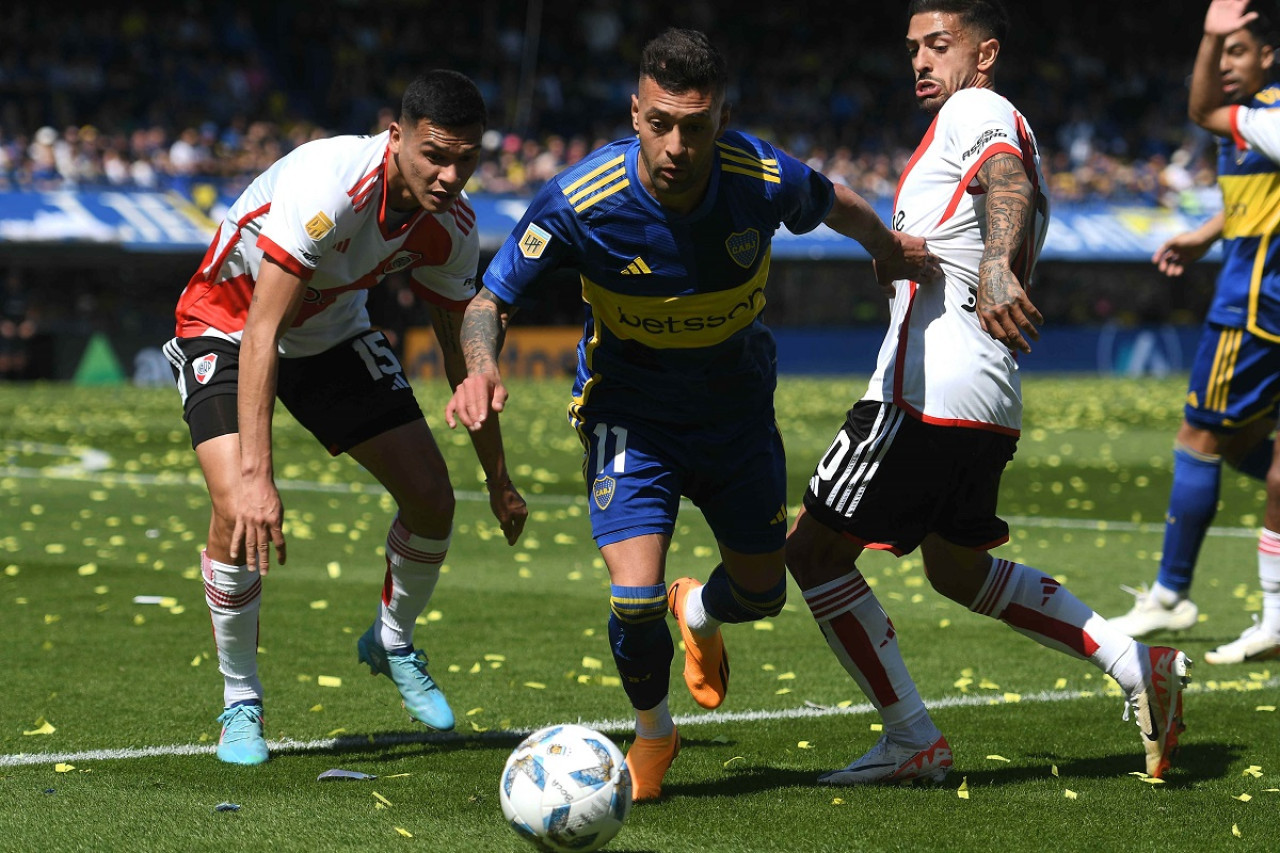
column 107, row 706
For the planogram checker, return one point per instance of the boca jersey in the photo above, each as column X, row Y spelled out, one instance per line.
column 673, row 331
column 1247, row 293
column 936, row 362
column 321, row 213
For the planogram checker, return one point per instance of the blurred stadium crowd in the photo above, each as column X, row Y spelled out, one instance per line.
column 173, row 96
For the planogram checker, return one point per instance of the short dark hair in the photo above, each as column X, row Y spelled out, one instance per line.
column 1263, row 27
column 987, row 18
column 445, row 98
column 683, row 60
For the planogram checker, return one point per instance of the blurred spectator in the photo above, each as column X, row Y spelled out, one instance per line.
column 169, row 98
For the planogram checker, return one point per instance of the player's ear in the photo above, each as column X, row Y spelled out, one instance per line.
column 635, row 113
column 1266, row 57
column 724, row 120
column 988, row 50
column 395, row 138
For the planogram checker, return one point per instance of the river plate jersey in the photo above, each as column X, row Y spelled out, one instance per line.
column 936, row 362
column 1247, row 295
column 673, row 331
column 320, row 212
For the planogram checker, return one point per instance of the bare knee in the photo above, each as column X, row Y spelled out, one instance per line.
column 816, row 554
column 956, row 572
column 429, row 512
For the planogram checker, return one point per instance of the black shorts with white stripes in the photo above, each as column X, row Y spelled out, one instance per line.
column 888, row 480
column 343, row 396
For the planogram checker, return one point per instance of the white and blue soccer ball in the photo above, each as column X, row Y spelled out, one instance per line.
column 566, row 788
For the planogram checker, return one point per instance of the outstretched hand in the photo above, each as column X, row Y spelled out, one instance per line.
column 1177, row 253
column 910, row 260
column 1224, row 17
column 473, row 400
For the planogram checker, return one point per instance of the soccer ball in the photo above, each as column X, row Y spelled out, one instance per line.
column 566, row 787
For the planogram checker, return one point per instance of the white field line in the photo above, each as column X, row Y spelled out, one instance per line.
column 92, row 462
column 356, row 743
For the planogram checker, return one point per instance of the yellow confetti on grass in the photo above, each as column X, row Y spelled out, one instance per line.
column 336, row 732
column 474, row 711
column 997, row 758
column 63, row 768
column 1151, row 780
column 1235, row 830
column 1070, row 794
column 87, row 569
column 535, row 685
column 731, row 760
column 335, row 570
column 762, row 626
column 475, row 667
column 963, row 791
column 1244, row 798
column 1265, row 708
column 328, row 681
column 316, row 709
column 406, row 833
column 1254, row 770
column 321, row 604
column 195, row 661
column 11, row 570
column 383, row 802
column 1013, row 697
column 1053, row 769
column 42, row 727
column 782, row 692
column 786, row 676
column 592, row 663
column 804, row 744
column 1059, row 684
column 492, row 657
column 876, row 727
column 837, row 802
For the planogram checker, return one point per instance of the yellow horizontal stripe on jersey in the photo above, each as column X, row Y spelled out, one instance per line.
column 604, row 167
column 620, row 185
column 679, row 322
column 751, row 173
column 1250, row 203
column 726, row 147
column 751, row 163
column 596, row 185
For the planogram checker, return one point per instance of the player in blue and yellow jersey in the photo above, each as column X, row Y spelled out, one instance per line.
column 670, row 232
column 1235, row 379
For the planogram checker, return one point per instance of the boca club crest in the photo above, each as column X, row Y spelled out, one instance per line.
column 743, row 247
column 602, row 491
column 204, row 366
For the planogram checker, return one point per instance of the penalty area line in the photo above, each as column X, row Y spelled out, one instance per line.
column 356, row 743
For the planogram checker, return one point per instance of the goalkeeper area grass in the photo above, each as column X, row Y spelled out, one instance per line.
column 111, row 689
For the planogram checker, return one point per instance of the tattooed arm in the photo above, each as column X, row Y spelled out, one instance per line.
column 1004, row 311
column 450, row 326
column 481, row 390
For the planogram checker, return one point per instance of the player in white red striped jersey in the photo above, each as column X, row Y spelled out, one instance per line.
column 919, row 459
column 277, row 309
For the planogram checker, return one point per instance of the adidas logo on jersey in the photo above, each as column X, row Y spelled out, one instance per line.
column 400, row 383
column 637, row 267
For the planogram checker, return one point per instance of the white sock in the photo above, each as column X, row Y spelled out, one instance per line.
column 1165, row 597
column 413, row 567
column 655, row 722
column 696, row 616
column 234, row 596
column 1037, row 606
column 1269, row 575
column 860, row 633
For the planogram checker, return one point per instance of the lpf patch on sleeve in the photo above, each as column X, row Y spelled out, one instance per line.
column 318, row 226
column 534, row 242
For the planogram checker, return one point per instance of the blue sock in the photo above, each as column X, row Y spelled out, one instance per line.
column 726, row 601
column 1257, row 461
column 641, row 642
column 1193, row 502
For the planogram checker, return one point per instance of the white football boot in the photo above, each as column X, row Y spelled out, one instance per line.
column 1256, row 643
column 1149, row 615
column 887, row 763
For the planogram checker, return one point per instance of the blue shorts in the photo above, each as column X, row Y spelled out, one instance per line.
column 1235, row 379
column 735, row 474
